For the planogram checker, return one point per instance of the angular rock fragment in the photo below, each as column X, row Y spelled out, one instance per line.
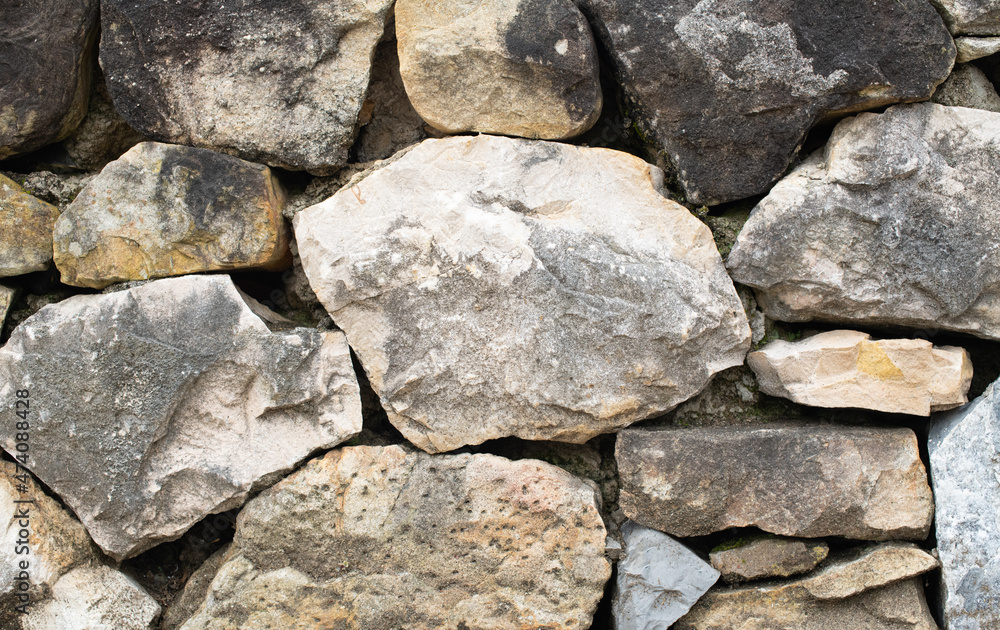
column 46, row 51
column 390, row 537
column 166, row 210
column 968, row 87
column 276, row 83
column 514, row 67
column 971, row 17
column 497, row 287
column 707, row 79
column 659, row 579
column 845, row 368
column 892, row 224
column 808, row 481
column 156, row 406
column 25, row 230
column 971, row 48
column 768, row 557
column 964, row 448
column 95, row 597
column 7, row 295
column 876, row 588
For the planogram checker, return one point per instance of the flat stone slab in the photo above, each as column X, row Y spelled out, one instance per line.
column 500, row 287
column 893, row 223
column 806, row 481
column 153, row 407
column 971, row 48
column 768, row 558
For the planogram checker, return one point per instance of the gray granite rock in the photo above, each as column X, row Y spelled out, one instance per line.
column 276, row 83
column 659, row 579
column 767, row 557
column 970, row 17
column 161, row 404
column 499, row 287
column 968, row 87
column 806, row 481
column 892, row 224
column 707, row 80
column 971, row 48
column 964, row 448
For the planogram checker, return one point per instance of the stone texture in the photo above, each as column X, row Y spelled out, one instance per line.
column 807, row 481
column 170, row 401
column 58, row 189
column 498, row 287
column 767, row 558
column 46, row 51
column 187, row 603
column 968, row 87
column 103, row 135
column 893, row 224
column 514, row 67
column 659, row 579
column 845, row 368
column 95, row 597
column 964, row 448
column 276, row 83
column 387, row 537
column 165, row 210
column 7, row 296
column 25, row 230
column 705, row 80
column 970, row 17
column 876, row 588
column 971, row 48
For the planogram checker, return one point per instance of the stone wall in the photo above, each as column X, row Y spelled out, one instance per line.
column 508, row 314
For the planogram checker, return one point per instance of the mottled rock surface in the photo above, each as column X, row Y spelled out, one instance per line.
column 845, row 368
column 873, row 589
column 971, row 17
column 768, row 557
column 970, row 48
column 514, row 67
column 659, row 579
column 968, row 87
column 103, row 135
column 276, row 83
column 707, row 79
column 165, row 210
column 390, row 537
column 46, row 49
column 892, row 224
column 964, row 450
column 495, row 287
column 809, row 481
column 164, row 403
column 25, row 230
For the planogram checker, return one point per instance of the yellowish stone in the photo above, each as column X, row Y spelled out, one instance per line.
column 25, row 230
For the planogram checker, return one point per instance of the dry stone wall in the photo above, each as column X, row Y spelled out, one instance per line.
column 502, row 314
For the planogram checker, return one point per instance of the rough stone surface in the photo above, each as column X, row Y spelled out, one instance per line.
column 164, row 403
column 103, row 135
column 968, row 87
column 809, row 481
column 164, row 210
column 59, row 189
column 970, row 17
column 845, row 368
column 971, row 48
column 767, row 558
column 659, row 579
column 25, row 230
column 893, row 224
column 45, row 57
column 495, row 287
column 276, row 83
column 95, row 597
column 187, row 603
column 387, row 537
column 707, row 79
column 875, row 589
column 514, row 67
column 964, row 450
column 7, row 295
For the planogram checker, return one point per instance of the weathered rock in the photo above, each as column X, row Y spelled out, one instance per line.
column 514, row 67
column 389, row 537
column 768, row 557
column 7, row 295
column 875, row 589
column 659, row 579
column 845, row 368
column 95, row 597
column 46, row 48
column 971, row 48
column 707, row 79
column 164, row 403
column 103, row 135
column 894, row 224
column 970, row 17
column 59, row 189
column 165, row 210
column 964, row 448
column 968, row 87
column 187, row 603
column 809, row 481
column 276, row 83
column 25, row 230
column 495, row 287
